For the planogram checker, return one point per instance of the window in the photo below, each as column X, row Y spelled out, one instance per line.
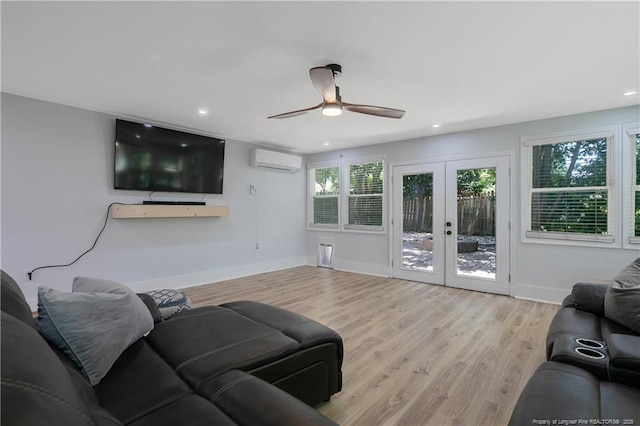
column 348, row 196
column 633, row 199
column 325, row 191
column 365, row 197
column 636, row 189
column 568, row 193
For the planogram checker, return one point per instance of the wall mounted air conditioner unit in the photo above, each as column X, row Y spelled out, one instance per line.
column 273, row 160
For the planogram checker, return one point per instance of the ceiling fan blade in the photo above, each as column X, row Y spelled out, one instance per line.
column 322, row 79
column 297, row 112
column 374, row 110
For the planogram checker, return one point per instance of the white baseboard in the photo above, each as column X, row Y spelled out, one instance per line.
column 522, row 291
column 362, row 268
column 540, row 294
column 357, row 267
column 217, row 275
column 207, row 277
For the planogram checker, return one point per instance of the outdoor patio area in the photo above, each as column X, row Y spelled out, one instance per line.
column 480, row 262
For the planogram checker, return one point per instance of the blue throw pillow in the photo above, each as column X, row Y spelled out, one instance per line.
column 94, row 324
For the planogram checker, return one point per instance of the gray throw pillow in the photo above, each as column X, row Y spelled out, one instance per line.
column 622, row 300
column 94, row 324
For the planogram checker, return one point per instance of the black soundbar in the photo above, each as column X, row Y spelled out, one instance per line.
column 176, row 203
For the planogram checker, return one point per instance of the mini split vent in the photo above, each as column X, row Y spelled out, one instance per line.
column 273, row 160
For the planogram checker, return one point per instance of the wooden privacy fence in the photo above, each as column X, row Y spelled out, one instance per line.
column 476, row 215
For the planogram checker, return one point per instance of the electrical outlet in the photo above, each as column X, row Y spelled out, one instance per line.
column 27, row 275
column 252, row 189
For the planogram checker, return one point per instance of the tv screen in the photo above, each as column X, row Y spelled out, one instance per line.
column 151, row 158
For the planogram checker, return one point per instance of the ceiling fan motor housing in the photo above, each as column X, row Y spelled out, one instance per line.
column 336, row 69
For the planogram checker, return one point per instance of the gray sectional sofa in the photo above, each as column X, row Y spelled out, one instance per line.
column 241, row 363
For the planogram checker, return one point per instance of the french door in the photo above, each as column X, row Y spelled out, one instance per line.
column 451, row 223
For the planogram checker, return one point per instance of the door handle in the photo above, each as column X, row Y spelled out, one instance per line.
column 448, row 232
column 448, row 223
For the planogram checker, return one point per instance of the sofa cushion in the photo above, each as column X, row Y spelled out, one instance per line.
column 619, row 402
column 190, row 410
column 36, row 388
column 305, row 331
column 622, row 300
column 94, row 324
column 246, row 398
column 562, row 391
column 204, row 342
column 148, row 382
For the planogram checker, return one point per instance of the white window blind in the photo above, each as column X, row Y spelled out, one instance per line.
column 635, row 189
column 568, row 187
column 365, row 200
column 325, row 192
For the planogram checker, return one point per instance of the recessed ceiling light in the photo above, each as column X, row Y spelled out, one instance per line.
column 326, row 143
column 630, row 93
column 435, row 126
column 203, row 111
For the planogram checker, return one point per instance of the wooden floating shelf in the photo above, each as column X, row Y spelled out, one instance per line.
column 144, row 211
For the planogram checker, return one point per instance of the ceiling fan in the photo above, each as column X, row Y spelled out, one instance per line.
column 323, row 78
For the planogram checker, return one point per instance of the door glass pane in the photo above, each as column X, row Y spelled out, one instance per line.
column 476, row 239
column 417, row 222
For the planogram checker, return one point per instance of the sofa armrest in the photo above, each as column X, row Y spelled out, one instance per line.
column 248, row 400
column 568, row 302
column 589, row 297
column 624, row 351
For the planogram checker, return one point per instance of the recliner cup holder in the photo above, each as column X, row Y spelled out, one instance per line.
column 589, row 343
column 590, row 353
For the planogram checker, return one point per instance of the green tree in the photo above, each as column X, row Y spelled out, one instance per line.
column 365, row 193
column 476, row 182
column 570, row 165
column 366, row 178
column 327, row 178
column 417, row 186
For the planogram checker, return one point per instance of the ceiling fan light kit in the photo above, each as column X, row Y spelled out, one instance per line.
column 323, row 78
column 331, row 110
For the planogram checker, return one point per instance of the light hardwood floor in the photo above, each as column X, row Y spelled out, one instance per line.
column 415, row 354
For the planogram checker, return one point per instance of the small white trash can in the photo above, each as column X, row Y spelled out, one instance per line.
column 325, row 252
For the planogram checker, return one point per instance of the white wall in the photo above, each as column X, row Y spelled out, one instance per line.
column 57, row 181
column 539, row 271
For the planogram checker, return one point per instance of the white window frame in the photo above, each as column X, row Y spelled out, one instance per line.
column 612, row 239
column 345, row 190
column 312, row 195
column 630, row 187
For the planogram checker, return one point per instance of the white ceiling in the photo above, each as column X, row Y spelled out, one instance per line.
column 463, row 65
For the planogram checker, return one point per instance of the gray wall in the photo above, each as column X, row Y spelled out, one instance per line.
column 539, row 271
column 57, row 181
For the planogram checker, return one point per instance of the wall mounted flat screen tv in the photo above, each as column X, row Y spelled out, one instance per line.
column 151, row 158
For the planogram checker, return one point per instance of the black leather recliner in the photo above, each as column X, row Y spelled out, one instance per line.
column 581, row 335
column 41, row 386
column 593, row 373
